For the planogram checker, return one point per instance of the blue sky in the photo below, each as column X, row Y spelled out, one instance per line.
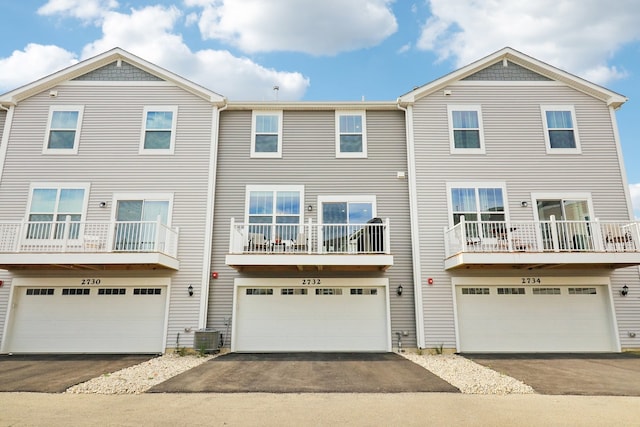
column 332, row 49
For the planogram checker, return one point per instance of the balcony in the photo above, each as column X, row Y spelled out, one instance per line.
column 345, row 247
column 542, row 244
column 82, row 245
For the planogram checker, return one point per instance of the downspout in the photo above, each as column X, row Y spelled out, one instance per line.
column 208, row 240
column 415, row 235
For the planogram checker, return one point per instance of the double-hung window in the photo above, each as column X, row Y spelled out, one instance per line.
column 560, row 132
column 52, row 206
column 465, row 129
column 274, row 212
column 266, row 134
column 158, row 130
column 482, row 205
column 63, row 129
column 351, row 134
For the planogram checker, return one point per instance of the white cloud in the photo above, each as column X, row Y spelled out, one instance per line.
column 579, row 36
column 317, row 27
column 81, row 9
column 634, row 189
column 34, row 62
column 149, row 33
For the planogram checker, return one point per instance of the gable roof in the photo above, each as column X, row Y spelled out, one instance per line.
column 611, row 98
column 106, row 58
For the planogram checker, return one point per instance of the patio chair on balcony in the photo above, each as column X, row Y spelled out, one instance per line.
column 300, row 243
column 257, row 242
column 92, row 243
column 619, row 240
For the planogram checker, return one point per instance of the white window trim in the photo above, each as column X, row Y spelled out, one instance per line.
column 60, row 185
column 570, row 108
column 450, row 109
column 146, row 197
column 278, row 152
column 559, row 195
column 347, row 199
column 477, row 184
column 76, row 141
column 361, row 113
column 274, row 188
column 172, row 143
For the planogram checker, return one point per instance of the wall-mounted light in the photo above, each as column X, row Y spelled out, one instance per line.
column 190, row 290
column 524, row 203
column 102, row 204
column 399, row 290
column 309, row 208
column 624, row 291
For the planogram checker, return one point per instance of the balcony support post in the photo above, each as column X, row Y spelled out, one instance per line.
column 232, row 235
column 308, row 236
column 65, row 235
column 554, row 233
column 598, row 240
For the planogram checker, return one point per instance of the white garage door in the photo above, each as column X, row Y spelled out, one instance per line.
column 87, row 320
column 272, row 318
column 534, row 319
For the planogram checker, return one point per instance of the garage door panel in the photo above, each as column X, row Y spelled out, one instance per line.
column 94, row 323
column 561, row 322
column 311, row 322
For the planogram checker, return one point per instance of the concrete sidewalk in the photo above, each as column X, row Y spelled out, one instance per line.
column 263, row 409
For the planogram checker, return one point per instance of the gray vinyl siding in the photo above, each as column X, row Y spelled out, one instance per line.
column 516, row 155
column 108, row 160
column 308, row 159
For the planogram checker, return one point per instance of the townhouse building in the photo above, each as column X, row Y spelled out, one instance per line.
column 105, row 199
column 485, row 211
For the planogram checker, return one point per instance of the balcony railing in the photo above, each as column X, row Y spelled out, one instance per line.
column 82, row 236
column 369, row 238
column 542, row 236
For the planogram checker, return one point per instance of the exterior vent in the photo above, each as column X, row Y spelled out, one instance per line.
column 206, row 340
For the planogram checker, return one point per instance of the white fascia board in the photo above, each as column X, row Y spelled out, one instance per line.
column 611, row 98
column 88, row 65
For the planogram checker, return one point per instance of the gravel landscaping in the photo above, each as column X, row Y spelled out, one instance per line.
column 468, row 376
column 139, row 378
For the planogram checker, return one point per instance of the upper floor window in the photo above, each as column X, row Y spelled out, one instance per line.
column 351, row 134
column 275, row 211
column 159, row 130
column 266, row 134
column 560, row 131
column 51, row 206
column 465, row 129
column 63, row 129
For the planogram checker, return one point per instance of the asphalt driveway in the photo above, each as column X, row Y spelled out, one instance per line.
column 600, row 374
column 56, row 373
column 306, row 373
